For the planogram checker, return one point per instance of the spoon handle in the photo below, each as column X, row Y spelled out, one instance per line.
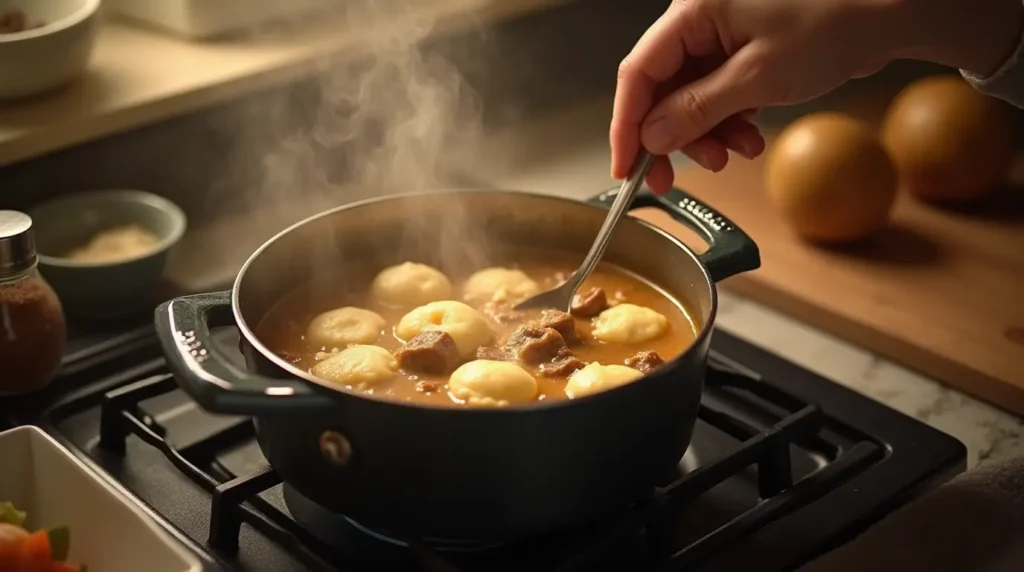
column 622, row 202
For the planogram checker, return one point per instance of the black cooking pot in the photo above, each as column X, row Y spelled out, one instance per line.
column 459, row 474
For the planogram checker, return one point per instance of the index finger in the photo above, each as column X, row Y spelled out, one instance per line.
column 657, row 56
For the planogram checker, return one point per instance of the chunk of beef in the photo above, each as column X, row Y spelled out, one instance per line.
column 646, row 362
column 563, row 364
column 429, row 352
column 534, row 345
column 429, row 385
column 561, row 322
column 590, row 303
column 491, row 353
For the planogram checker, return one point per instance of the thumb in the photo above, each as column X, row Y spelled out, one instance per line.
column 697, row 107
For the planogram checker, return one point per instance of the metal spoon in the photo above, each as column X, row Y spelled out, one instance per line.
column 560, row 297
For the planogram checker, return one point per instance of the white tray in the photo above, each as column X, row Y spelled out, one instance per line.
column 109, row 531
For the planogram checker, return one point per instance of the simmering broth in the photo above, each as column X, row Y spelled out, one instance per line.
column 284, row 329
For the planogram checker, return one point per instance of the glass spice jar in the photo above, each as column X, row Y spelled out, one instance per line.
column 32, row 328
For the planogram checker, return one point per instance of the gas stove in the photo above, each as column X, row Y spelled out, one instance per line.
column 784, row 465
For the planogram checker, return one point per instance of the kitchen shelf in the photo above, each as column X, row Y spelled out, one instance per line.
column 140, row 76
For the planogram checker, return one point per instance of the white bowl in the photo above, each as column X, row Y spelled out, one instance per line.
column 109, row 531
column 48, row 57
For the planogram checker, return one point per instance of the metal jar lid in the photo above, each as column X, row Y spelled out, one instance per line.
column 17, row 245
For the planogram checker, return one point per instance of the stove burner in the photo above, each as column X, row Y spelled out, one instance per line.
column 769, row 482
column 332, row 528
column 755, row 441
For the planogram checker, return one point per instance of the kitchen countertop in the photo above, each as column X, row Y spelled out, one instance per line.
column 139, row 76
column 567, row 154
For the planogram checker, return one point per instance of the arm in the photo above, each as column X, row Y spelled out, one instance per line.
column 1007, row 83
column 705, row 62
column 982, row 38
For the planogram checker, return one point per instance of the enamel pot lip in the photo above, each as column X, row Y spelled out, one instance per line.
column 342, row 393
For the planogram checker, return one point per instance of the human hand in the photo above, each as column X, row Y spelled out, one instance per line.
column 693, row 80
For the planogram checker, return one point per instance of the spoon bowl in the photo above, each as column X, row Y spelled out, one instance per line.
column 560, row 297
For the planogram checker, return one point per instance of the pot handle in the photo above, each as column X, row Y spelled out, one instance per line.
column 730, row 250
column 208, row 376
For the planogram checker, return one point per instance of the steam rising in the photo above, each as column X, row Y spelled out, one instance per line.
column 386, row 120
column 381, row 120
column 406, row 107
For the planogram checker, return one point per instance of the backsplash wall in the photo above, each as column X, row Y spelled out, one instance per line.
column 204, row 162
column 207, row 161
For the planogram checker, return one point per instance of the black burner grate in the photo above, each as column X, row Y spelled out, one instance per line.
column 766, row 447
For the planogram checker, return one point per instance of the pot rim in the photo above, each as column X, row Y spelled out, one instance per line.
column 258, row 345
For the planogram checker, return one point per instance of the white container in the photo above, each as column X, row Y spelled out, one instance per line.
column 200, row 19
column 110, row 532
column 45, row 58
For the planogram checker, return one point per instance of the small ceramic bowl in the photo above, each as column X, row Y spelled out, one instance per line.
column 104, row 289
column 52, row 51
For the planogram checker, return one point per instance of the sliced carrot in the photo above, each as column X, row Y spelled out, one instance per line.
column 35, row 552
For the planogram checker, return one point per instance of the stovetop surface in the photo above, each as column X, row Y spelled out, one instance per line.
column 784, row 465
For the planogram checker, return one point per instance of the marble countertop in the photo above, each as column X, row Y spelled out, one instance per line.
column 989, row 433
column 567, row 154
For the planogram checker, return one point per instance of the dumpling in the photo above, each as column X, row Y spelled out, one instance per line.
column 468, row 327
column 345, row 326
column 499, row 285
column 492, row 383
column 357, row 366
column 628, row 324
column 595, row 378
column 410, row 284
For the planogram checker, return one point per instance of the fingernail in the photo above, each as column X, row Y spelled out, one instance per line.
column 702, row 160
column 750, row 147
column 658, row 136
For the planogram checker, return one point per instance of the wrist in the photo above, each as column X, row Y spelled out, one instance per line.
column 976, row 36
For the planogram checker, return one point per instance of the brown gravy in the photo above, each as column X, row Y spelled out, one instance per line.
column 283, row 329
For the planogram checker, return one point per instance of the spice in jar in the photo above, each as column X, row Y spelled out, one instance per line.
column 33, row 333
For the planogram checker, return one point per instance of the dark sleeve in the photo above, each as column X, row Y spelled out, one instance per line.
column 974, row 523
column 1007, row 83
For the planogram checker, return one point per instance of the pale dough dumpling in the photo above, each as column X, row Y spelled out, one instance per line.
column 499, row 285
column 410, row 284
column 594, row 378
column 357, row 366
column 492, row 383
column 628, row 324
column 468, row 327
column 345, row 326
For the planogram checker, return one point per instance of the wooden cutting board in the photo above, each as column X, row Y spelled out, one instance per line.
column 941, row 291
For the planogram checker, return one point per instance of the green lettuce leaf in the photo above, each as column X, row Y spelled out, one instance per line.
column 11, row 515
column 60, row 543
